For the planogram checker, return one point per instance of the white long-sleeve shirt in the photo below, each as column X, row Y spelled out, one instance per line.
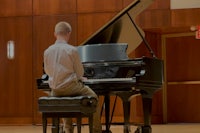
column 62, row 64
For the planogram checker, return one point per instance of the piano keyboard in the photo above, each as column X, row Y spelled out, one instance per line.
column 110, row 80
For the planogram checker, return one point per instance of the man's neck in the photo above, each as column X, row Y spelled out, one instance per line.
column 62, row 38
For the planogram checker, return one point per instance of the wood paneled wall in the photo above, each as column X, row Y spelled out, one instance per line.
column 91, row 6
column 15, row 8
column 52, row 7
column 31, row 24
column 185, row 17
column 159, row 15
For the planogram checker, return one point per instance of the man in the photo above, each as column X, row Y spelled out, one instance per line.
column 63, row 66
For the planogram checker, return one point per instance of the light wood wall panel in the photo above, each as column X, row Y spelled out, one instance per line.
column 185, row 17
column 154, row 18
column 160, row 4
column 54, row 7
column 92, row 6
column 127, row 2
column 15, row 8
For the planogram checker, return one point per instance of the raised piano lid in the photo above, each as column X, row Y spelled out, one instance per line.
column 121, row 28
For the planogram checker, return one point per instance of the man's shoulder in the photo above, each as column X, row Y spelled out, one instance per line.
column 70, row 47
column 66, row 47
column 50, row 48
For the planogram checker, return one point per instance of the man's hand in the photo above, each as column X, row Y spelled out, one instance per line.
column 83, row 78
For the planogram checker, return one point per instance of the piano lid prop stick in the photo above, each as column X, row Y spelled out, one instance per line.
column 145, row 41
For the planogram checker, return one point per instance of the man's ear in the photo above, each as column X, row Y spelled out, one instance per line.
column 55, row 34
column 68, row 34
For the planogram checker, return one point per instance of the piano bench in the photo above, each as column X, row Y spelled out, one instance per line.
column 66, row 107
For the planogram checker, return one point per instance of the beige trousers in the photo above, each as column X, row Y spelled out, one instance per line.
column 77, row 88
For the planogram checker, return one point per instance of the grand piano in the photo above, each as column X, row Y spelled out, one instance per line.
column 110, row 71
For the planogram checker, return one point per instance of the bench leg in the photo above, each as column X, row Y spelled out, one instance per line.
column 91, row 123
column 44, row 123
column 79, row 124
column 55, row 125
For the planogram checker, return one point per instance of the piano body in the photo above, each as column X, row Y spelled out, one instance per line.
column 111, row 72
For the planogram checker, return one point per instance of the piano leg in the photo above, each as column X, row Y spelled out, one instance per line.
column 126, row 107
column 147, row 106
column 107, row 113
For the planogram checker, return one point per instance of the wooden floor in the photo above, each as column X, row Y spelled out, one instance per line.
column 168, row 128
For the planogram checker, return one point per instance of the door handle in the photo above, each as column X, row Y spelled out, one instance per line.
column 10, row 50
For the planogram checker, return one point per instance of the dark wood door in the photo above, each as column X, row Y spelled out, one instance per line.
column 183, row 78
column 16, row 73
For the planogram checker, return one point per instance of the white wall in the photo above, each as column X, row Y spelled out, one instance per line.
column 182, row 4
